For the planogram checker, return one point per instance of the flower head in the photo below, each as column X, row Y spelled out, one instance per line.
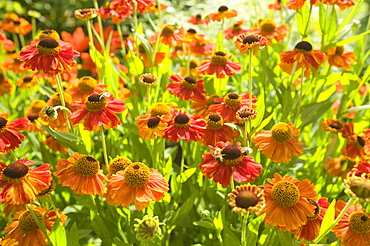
column 182, row 125
column 246, row 41
column 186, row 88
column 354, row 227
column 287, row 207
column 220, row 65
column 246, row 114
column 148, row 227
column 337, row 58
column 27, row 81
column 197, row 20
column 223, row 13
column 82, row 174
column 151, row 126
column 137, row 184
column 169, row 35
column 86, row 86
column 117, row 164
column 86, row 14
column 332, row 125
column 148, row 79
column 8, row 242
column 358, row 145
column 358, row 187
column 234, row 30
column 202, row 106
column 10, row 138
column 98, row 110
column 21, row 184
column 26, row 231
column 245, row 198
column 227, row 161
column 49, row 55
column 279, row 143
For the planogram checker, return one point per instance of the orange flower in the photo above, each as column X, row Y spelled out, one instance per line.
column 150, row 126
column 234, row 30
column 202, row 106
column 168, row 35
column 137, row 184
column 27, row 81
column 245, row 198
column 227, row 161
column 222, row 13
column 49, row 55
column 98, row 110
column 182, row 125
column 186, row 88
column 338, row 58
column 362, row 167
column 197, row 20
column 85, row 14
column 82, row 174
column 279, row 143
column 246, row 41
column 334, row 166
column 158, row 57
column 230, row 104
column 357, row 145
column 354, row 227
column 310, row 231
column 201, row 47
column 33, row 114
column 54, row 145
column 217, row 131
column 287, row 207
column 344, row 4
column 269, row 30
column 10, row 138
column 8, row 242
column 14, row 24
column 77, row 39
column 12, row 63
column 332, row 125
column 6, row 87
column 275, row 6
column 85, row 87
column 25, row 230
column 20, row 183
column 117, row 164
column 220, row 65
column 295, row 4
column 305, row 57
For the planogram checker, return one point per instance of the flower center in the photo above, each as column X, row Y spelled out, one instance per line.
column 56, row 101
column 219, row 58
column 198, row 17
column 181, row 120
column 27, row 222
column 87, row 166
column 268, row 25
column 148, row 79
column 48, row 46
column 86, row 84
column 304, row 45
column 160, row 109
column 231, row 155
column 339, row 50
column 250, row 39
column 137, row 174
column 27, row 79
column 119, row 163
column 360, row 187
column 285, row 193
column 316, row 211
column 211, row 100
column 15, row 172
column 153, row 121
column 223, row 8
column 32, row 117
column 281, row 132
column 96, row 102
column 193, row 64
column 246, row 199
column 168, row 30
column 359, row 222
column 189, row 83
column 237, row 28
column 3, row 123
column 336, row 125
column 246, row 114
column 191, row 31
column 232, row 100
column 361, row 142
column 214, row 121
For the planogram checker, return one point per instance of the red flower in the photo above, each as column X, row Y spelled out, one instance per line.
column 227, row 161
column 234, row 30
column 223, row 13
column 98, row 110
column 77, row 39
column 246, row 41
column 49, row 55
column 20, row 183
column 150, row 126
column 168, row 35
column 186, row 88
column 357, row 145
column 10, row 138
column 220, row 65
column 202, row 106
column 184, row 126
column 230, row 104
column 337, row 57
column 197, row 20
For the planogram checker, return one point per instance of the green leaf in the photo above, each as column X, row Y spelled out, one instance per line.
column 72, row 236
column 118, row 242
column 100, row 228
column 230, row 238
column 58, row 235
column 269, row 237
column 302, row 18
column 217, row 220
column 186, row 175
column 357, row 108
column 182, row 211
column 135, row 64
column 205, row 224
column 285, row 238
column 329, row 218
column 252, row 232
column 345, row 41
column 147, row 47
column 67, row 139
column 110, row 76
column 264, row 123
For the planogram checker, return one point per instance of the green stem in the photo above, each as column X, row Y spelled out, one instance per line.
column 135, row 28
column 250, row 78
column 349, row 203
column 33, row 20
column 23, row 42
column 100, row 25
column 294, row 69
column 159, row 11
column 102, row 136
column 16, row 42
column 39, row 224
column 58, row 79
column 304, row 35
column 300, row 97
column 244, row 228
column 13, row 155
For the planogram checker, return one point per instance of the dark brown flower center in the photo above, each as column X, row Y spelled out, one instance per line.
column 336, row 125
column 304, row 45
column 96, row 102
column 181, row 119
column 232, row 100
column 214, row 121
column 153, row 121
column 220, row 53
column 198, row 17
column 281, row 132
column 361, row 141
column 168, row 30
column 359, row 222
column 48, row 43
column 32, row 117
column 316, row 210
column 191, row 31
column 233, row 96
column 26, row 221
column 3, row 122
column 27, row 79
column 339, row 50
column 16, row 170
column 250, row 39
column 87, row 166
column 237, row 27
column 285, row 193
column 231, row 152
column 214, row 117
column 137, row 174
column 246, row 199
column 223, row 8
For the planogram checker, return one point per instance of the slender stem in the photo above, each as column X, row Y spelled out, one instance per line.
column 159, row 11
column 294, row 69
column 58, row 79
column 16, row 42
column 134, row 3
column 53, row 205
column 350, row 201
column 33, row 20
column 102, row 136
column 333, row 138
column 300, row 97
column 250, row 78
column 304, row 35
column 13, row 155
column 39, row 224
column 244, row 228
column 23, row 42
column 100, row 25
